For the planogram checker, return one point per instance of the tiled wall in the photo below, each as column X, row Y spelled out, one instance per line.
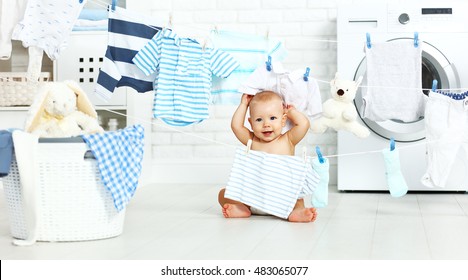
column 306, row 27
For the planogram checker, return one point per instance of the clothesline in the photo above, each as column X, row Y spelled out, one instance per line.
column 408, row 146
column 106, row 5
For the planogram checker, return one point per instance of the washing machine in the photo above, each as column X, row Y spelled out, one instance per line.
column 443, row 32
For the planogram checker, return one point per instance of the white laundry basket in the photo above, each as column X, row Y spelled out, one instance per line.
column 74, row 205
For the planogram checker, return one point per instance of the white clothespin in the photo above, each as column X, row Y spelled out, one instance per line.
column 169, row 25
column 304, row 153
column 249, row 145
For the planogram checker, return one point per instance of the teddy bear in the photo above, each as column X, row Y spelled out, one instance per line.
column 62, row 109
column 339, row 111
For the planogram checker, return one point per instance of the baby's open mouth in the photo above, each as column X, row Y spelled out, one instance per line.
column 267, row 133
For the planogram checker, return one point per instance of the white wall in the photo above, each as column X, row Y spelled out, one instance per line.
column 306, row 27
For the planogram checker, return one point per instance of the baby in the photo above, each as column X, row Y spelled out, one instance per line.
column 267, row 118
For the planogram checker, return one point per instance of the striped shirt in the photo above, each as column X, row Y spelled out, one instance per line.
column 128, row 33
column 183, row 87
column 251, row 51
column 271, row 183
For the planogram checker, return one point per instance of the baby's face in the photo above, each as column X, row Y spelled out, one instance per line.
column 267, row 120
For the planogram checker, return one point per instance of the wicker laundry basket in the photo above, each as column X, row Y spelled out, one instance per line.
column 74, row 204
column 16, row 90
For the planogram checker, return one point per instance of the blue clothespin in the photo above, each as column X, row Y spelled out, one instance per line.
column 306, row 74
column 319, row 154
column 268, row 63
column 368, row 40
column 434, row 85
column 416, row 39
column 114, row 2
column 392, row 144
column 81, row 1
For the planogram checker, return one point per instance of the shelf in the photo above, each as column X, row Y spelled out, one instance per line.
column 15, row 108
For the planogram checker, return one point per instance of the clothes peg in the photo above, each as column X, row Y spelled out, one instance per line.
column 170, row 20
column 249, row 145
column 392, row 144
column 368, row 40
column 268, row 63
column 416, row 39
column 114, row 2
column 81, row 1
column 434, row 85
column 319, row 154
column 306, row 74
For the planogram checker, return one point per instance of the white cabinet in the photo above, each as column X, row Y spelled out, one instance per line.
column 81, row 61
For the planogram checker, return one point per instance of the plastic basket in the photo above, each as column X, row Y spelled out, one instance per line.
column 74, row 204
column 16, row 90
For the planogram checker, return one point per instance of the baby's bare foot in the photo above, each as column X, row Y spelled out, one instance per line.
column 236, row 211
column 304, row 215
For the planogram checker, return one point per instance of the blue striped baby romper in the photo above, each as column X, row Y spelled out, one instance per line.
column 183, row 87
column 268, row 182
column 128, row 33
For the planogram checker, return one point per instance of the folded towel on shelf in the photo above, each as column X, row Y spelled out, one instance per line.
column 91, row 20
column 394, row 82
column 93, row 14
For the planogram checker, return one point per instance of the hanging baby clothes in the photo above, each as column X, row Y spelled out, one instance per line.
column 270, row 183
column 47, row 24
column 395, row 180
column 393, row 82
column 320, row 196
column 119, row 155
column 11, row 12
column 128, row 33
column 446, row 120
column 183, row 86
column 304, row 95
column 251, row 51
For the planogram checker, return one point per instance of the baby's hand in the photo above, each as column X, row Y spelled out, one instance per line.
column 246, row 98
column 288, row 108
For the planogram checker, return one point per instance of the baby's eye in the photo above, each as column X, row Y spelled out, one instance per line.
column 273, row 118
column 258, row 120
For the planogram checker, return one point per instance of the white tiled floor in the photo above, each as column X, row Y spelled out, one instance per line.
column 185, row 222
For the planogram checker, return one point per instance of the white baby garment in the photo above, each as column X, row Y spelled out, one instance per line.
column 11, row 12
column 270, row 183
column 47, row 24
column 393, row 82
column 446, row 120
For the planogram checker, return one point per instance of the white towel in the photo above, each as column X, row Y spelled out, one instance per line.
column 26, row 146
column 394, row 82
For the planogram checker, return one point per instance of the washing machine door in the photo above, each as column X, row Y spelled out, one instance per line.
column 434, row 66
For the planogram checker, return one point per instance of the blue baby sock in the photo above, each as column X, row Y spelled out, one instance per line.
column 320, row 196
column 395, row 180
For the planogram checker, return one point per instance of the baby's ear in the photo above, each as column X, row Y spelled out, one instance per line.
column 283, row 119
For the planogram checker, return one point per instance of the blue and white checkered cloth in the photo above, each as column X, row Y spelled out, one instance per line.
column 119, row 155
